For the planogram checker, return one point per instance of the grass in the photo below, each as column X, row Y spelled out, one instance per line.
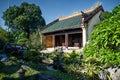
column 10, row 70
column 59, row 74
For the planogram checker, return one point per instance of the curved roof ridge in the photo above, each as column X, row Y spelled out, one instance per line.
column 70, row 16
column 98, row 4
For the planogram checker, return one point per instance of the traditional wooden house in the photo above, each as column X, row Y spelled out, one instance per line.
column 72, row 32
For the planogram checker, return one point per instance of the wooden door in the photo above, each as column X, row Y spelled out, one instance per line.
column 49, row 41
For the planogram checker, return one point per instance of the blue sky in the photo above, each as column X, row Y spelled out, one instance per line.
column 52, row 9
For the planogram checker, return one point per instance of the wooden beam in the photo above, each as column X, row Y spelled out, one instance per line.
column 74, row 31
column 62, row 33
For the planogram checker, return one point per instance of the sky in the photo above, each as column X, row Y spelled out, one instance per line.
column 53, row 9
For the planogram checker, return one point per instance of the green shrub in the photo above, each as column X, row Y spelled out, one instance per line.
column 13, row 58
column 103, row 57
column 104, row 41
column 32, row 55
column 73, row 57
column 52, row 55
column 36, row 39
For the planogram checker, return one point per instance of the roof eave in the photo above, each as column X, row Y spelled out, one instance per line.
column 63, row 29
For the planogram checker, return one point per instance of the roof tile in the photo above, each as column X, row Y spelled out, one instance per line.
column 73, row 22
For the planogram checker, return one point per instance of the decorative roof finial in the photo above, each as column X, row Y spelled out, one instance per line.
column 84, row 14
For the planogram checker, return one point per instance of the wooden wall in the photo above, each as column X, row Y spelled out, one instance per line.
column 49, row 41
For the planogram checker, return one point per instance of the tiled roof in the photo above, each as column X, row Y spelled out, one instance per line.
column 71, row 23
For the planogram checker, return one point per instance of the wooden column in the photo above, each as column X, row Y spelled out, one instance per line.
column 53, row 40
column 66, row 40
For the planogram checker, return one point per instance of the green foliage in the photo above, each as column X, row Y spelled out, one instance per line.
column 26, row 17
column 72, row 57
column 104, row 42
column 32, row 55
column 106, row 34
column 59, row 74
column 3, row 38
column 71, row 68
column 52, row 55
column 116, row 10
column 10, row 70
column 91, row 71
column 19, row 37
column 36, row 40
column 105, row 15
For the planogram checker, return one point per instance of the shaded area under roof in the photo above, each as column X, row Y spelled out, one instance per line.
column 70, row 23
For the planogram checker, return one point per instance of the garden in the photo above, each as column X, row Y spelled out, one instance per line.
column 99, row 60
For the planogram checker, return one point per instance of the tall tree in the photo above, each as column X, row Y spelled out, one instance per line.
column 26, row 17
